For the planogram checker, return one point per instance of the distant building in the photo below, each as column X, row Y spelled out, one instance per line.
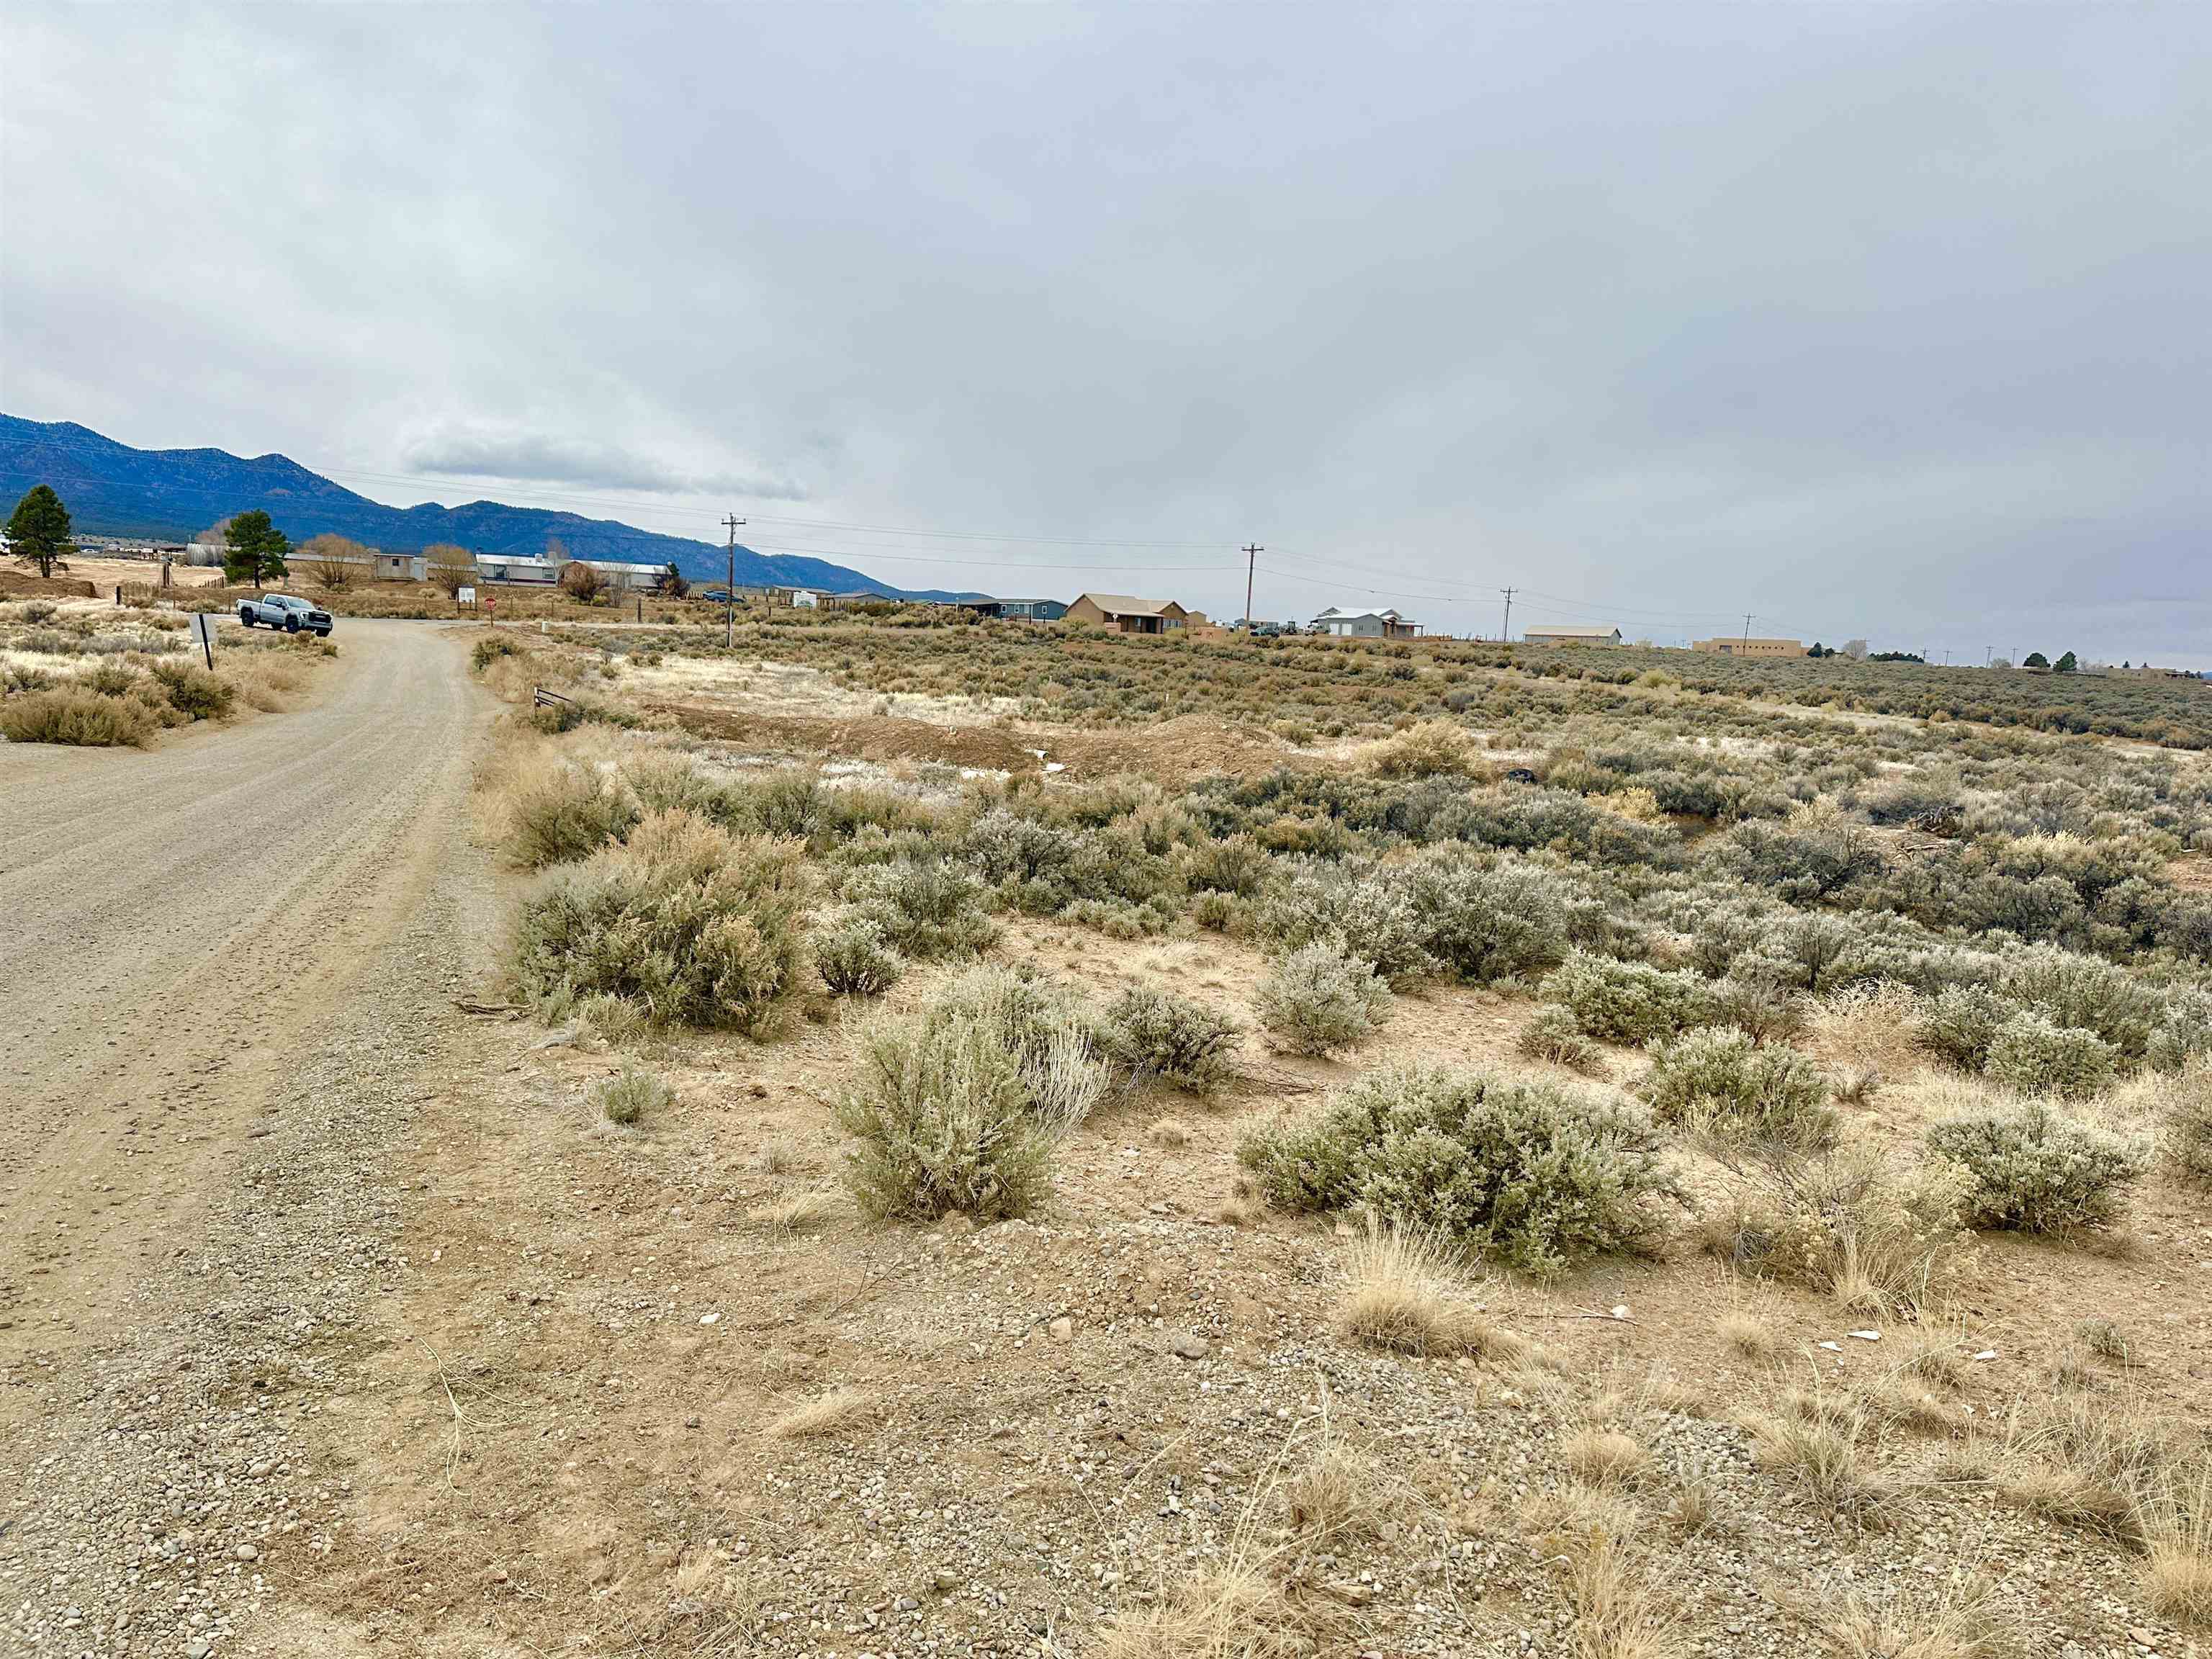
column 1126, row 614
column 398, row 566
column 805, row 598
column 1749, row 648
column 1573, row 636
column 1366, row 624
column 520, row 572
column 1021, row 609
column 625, row 577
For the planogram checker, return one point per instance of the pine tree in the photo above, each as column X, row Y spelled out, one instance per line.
column 2065, row 665
column 257, row 550
column 38, row 531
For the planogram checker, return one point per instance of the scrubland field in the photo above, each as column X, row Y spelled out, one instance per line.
column 93, row 673
column 918, row 1137
column 995, row 1141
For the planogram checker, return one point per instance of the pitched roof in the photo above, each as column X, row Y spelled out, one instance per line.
column 1576, row 633
column 1124, row 605
column 1380, row 612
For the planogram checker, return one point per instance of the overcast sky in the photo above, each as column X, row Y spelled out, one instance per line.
column 1883, row 320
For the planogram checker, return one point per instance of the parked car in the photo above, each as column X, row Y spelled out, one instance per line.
column 716, row 596
column 284, row 612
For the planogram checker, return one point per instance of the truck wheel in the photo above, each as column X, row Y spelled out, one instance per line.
column 291, row 624
column 322, row 633
column 244, row 620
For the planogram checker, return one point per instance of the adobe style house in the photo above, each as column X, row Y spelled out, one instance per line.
column 1125, row 615
column 1366, row 624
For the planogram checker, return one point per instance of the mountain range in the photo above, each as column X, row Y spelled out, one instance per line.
column 113, row 490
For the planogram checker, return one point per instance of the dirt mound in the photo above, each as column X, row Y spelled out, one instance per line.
column 16, row 585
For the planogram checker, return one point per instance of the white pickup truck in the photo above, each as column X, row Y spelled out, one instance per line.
column 282, row 611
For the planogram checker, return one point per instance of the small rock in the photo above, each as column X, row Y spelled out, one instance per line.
column 945, row 1580
column 905, row 1604
column 710, row 1319
column 1188, row 1347
column 246, row 1553
column 1061, row 1328
column 2142, row 1637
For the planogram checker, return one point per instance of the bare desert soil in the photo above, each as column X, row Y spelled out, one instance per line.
column 334, row 1323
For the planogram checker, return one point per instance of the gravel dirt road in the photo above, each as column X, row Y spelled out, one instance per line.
column 228, row 964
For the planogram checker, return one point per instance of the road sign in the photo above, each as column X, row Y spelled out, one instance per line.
column 203, row 633
column 464, row 596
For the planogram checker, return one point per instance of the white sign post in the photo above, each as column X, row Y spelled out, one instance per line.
column 203, row 632
column 464, row 596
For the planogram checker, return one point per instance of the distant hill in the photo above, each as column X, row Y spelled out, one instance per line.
column 113, row 490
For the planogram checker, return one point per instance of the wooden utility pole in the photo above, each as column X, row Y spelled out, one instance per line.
column 1252, row 552
column 1506, row 634
column 730, row 593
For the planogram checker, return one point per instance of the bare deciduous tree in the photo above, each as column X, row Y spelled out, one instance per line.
column 449, row 566
column 334, row 562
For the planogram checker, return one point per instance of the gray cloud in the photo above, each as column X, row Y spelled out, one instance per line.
column 456, row 449
column 1870, row 319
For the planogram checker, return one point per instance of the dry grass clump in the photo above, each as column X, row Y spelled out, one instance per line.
column 1237, row 1610
column 2178, row 1567
column 1397, row 1295
column 1336, row 1493
column 1608, row 1585
column 1868, row 1028
column 2105, row 1463
column 1821, row 1444
column 1747, row 1335
column 1964, row 1623
column 839, row 1408
column 796, row 1211
column 1603, row 1457
column 1847, row 1223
